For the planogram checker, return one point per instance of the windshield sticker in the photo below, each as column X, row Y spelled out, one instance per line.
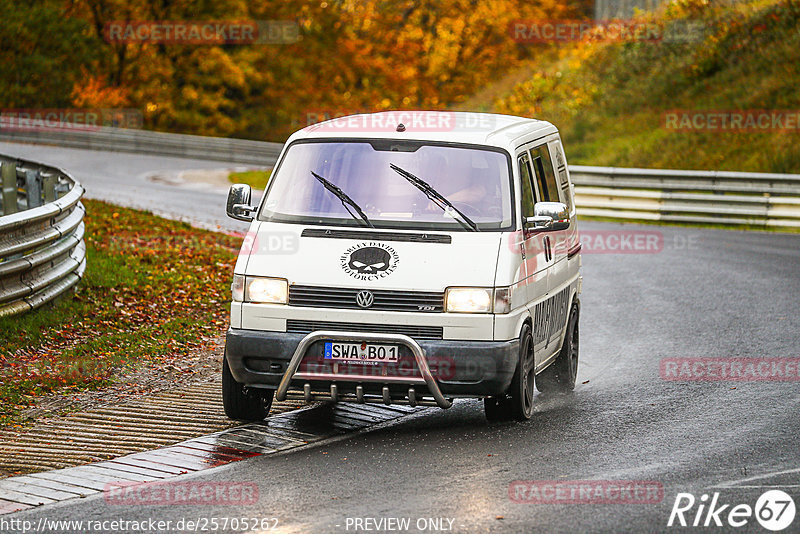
column 369, row 261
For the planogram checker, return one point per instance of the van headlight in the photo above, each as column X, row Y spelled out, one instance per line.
column 477, row 300
column 266, row 290
column 468, row 300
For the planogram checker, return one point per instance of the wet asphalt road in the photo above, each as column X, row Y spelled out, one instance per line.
column 708, row 293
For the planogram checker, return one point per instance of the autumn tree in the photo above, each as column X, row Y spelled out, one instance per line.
column 42, row 51
column 352, row 55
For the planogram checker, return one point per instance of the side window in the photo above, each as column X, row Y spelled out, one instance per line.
column 545, row 175
column 561, row 166
column 526, row 178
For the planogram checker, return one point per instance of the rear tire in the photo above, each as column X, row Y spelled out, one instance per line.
column 241, row 403
column 560, row 376
column 518, row 403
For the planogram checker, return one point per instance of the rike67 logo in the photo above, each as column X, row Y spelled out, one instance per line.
column 774, row 510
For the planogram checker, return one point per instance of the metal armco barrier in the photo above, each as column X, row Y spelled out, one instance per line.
column 42, row 252
column 700, row 197
column 153, row 143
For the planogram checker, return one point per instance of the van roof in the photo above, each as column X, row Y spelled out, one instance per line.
column 450, row 126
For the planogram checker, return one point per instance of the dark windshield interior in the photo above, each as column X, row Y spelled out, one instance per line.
column 475, row 180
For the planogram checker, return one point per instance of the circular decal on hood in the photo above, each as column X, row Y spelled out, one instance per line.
column 369, row 261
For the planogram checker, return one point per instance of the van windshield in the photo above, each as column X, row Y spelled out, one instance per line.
column 368, row 189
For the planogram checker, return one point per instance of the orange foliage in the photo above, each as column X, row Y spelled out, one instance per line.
column 94, row 92
column 352, row 55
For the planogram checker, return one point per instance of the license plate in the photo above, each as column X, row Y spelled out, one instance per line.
column 360, row 352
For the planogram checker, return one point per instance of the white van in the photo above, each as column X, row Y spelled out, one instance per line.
column 407, row 257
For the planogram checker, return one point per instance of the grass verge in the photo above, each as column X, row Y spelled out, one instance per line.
column 611, row 100
column 255, row 179
column 710, row 226
column 154, row 290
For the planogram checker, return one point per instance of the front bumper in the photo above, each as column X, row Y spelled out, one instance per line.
column 459, row 368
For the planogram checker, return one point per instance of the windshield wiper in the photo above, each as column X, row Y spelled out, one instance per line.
column 435, row 197
column 341, row 195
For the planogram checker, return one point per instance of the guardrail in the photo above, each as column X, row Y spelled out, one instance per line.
column 154, row 143
column 700, row 197
column 42, row 252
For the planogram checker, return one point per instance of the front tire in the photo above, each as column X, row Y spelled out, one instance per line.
column 518, row 403
column 241, row 404
column 560, row 376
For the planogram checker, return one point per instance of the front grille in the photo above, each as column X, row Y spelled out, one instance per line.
column 295, row 326
column 384, row 300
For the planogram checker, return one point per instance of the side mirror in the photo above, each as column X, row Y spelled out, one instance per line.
column 548, row 217
column 238, row 206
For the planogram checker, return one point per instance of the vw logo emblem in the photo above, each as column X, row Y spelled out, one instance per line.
column 365, row 298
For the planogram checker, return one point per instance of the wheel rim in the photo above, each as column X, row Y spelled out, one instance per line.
column 527, row 376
